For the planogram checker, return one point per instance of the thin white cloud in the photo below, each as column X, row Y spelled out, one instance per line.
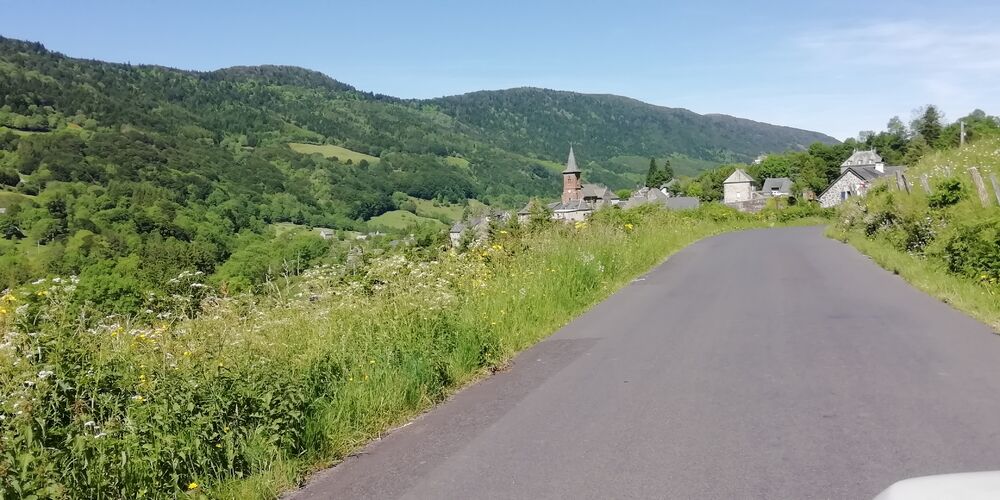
column 918, row 45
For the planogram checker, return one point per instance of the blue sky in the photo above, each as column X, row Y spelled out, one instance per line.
column 836, row 67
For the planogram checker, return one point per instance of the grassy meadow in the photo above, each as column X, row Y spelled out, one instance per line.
column 254, row 392
column 401, row 219
column 331, row 151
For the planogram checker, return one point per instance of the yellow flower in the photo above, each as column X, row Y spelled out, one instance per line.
column 187, row 353
column 192, row 486
column 629, row 227
column 503, row 232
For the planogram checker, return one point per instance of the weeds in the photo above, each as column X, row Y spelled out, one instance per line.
column 247, row 397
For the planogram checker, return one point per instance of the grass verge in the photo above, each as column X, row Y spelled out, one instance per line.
column 245, row 399
column 934, row 279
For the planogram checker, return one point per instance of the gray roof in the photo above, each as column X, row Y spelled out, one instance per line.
column 571, row 167
column 777, row 185
column 598, row 191
column 646, row 195
column 738, row 176
column 862, row 158
column 682, row 203
column 473, row 222
column 866, row 174
column 571, row 206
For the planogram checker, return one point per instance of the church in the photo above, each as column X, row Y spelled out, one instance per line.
column 579, row 200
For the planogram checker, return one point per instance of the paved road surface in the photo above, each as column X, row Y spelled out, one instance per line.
column 761, row 364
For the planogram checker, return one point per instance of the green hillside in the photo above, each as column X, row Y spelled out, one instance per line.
column 541, row 122
column 129, row 175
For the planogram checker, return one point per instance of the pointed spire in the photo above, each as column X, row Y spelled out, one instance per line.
column 571, row 167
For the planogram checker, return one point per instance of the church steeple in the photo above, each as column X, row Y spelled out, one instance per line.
column 572, row 187
column 571, row 167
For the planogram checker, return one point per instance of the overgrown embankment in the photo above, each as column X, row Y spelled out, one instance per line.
column 945, row 242
column 254, row 392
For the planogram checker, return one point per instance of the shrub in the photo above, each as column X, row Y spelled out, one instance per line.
column 947, row 192
column 974, row 250
column 9, row 177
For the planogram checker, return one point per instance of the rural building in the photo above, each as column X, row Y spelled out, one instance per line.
column 737, row 188
column 777, row 186
column 480, row 226
column 578, row 200
column 327, row 234
column 646, row 195
column 856, row 175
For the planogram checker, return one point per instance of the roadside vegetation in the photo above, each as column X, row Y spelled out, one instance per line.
column 239, row 396
column 945, row 242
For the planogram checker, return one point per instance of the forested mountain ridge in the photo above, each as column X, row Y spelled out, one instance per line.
column 540, row 122
column 128, row 175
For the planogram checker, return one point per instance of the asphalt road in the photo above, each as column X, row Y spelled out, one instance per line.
column 761, row 364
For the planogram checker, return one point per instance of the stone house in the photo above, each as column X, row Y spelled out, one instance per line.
column 480, row 226
column 737, row 188
column 856, row 176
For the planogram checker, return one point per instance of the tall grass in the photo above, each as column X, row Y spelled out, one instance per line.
column 256, row 391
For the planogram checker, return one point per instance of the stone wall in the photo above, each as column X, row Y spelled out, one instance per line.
column 736, row 192
column 848, row 183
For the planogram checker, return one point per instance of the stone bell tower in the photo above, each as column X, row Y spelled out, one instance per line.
column 572, row 187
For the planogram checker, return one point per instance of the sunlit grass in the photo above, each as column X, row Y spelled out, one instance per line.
column 245, row 399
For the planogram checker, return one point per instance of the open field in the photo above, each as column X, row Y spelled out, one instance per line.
column 10, row 198
column 452, row 212
column 456, row 161
column 331, row 151
column 401, row 219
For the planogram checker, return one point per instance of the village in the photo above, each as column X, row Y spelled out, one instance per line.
column 579, row 199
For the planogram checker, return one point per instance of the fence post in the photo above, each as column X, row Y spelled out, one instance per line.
column 980, row 186
column 925, row 183
column 996, row 186
column 900, row 181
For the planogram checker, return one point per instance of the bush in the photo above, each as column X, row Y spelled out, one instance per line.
column 947, row 192
column 974, row 251
column 9, row 177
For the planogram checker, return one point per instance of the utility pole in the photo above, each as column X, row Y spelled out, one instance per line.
column 961, row 134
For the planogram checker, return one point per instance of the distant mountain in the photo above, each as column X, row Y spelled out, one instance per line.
column 540, row 122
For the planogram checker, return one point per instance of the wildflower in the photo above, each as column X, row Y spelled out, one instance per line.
column 44, row 374
column 372, row 361
column 192, row 486
column 187, row 353
column 629, row 227
column 502, row 231
column 138, row 398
